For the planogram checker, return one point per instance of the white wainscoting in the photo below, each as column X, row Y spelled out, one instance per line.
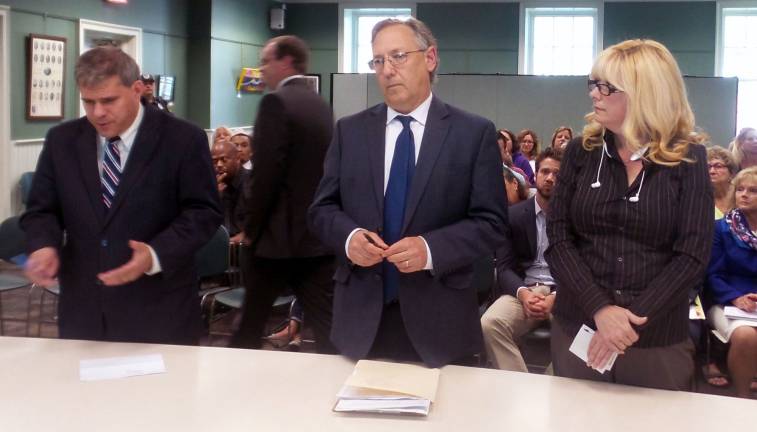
column 23, row 158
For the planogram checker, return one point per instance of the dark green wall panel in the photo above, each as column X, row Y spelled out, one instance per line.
column 688, row 29
column 318, row 26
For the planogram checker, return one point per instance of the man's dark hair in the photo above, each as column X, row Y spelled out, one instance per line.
column 548, row 153
column 101, row 63
column 294, row 47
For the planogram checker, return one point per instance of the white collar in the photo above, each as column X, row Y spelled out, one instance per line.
column 287, row 79
column 419, row 114
column 128, row 136
column 537, row 206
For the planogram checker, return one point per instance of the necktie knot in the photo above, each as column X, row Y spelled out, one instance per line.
column 115, row 139
column 405, row 120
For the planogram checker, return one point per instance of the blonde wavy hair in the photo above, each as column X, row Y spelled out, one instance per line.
column 658, row 114
column 736, row 146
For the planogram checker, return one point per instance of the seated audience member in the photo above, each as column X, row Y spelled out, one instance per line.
column 230, row 180
column 221, row 132
column 732, row 280
column 519, row 161
column 722, row 168
column 516, row 185
column 522, row 274
column 630, row 224
column 529, row 146
column 561, row 137
column 744, row 148
column 243, row 142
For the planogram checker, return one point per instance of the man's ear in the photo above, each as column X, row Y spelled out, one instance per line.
column 138, row 87
column 432, row 59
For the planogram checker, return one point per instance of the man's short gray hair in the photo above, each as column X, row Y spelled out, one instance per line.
column 101, row 63
column 422, row 33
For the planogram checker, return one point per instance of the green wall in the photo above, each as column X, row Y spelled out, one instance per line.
column 164, row 24
column 474, row 37
column 688, row 29
column 239, row 30
column 318, row 25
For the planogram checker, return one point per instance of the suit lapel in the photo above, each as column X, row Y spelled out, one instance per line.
column 86, row 147
column 142, row 149
column 529, row 221
column 375, row 138
column 435, row 132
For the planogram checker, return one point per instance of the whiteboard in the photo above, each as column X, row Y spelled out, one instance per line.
column 540, row 103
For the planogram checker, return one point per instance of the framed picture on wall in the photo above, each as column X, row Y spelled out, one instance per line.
column 166, row 86
column 314, row 82
column 45, row 77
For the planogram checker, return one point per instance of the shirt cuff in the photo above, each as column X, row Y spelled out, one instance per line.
column 429, row 261
column 347, row 243
column 517, row 292
column 156, row 268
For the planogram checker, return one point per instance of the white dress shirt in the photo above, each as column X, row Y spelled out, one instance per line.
column 393, row 129
column 124, row 148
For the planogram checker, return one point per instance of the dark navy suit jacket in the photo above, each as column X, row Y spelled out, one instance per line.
column 733, row 266
column 456, row 202
column 167, row 198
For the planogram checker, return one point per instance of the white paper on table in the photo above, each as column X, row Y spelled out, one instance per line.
column 121, row 367
column 580, row 347
column 388, row 406
column 733, row 312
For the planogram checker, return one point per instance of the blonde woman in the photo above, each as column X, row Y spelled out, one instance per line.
column 732, row 280
column 744, row 148
column 631, row 224
column 561, row 137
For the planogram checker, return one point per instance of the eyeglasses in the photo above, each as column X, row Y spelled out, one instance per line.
column 606, row 89
column 716, row 165
column 396, row 59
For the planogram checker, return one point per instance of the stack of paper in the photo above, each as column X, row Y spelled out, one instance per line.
column 390, row 388
column 580, row 347
column 733, row 312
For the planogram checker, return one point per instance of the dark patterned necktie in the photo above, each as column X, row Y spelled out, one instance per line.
column 111, row 172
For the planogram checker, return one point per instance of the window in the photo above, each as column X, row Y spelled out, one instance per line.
column 355, row 40
column 560, row 40
column 738, row 57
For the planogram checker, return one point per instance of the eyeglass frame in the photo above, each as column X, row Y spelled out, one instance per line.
column 592, row 84
column 396, row 59
column 717, row 165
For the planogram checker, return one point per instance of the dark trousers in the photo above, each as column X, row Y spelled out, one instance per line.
column 392, row 341
column 669, row 367
column 266, row 278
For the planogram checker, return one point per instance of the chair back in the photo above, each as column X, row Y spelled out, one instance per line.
column 213, row 258
column 12, row 238
column 26, row 186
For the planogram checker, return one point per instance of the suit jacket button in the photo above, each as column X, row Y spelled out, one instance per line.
column 104, row 242
column 377, row 277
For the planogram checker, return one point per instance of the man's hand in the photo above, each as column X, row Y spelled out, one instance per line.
column 533, row 304
column 614, row 334
column 364, row 252
column 408, row 254
column 239, row 239
column 42, row 266
column 221, row 180
column 747, row 302
column 140, row 262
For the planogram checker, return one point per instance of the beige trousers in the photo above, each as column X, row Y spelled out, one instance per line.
column 503, row 324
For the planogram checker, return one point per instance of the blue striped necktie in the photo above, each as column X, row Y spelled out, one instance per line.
column 111, row 172
column 400, row 178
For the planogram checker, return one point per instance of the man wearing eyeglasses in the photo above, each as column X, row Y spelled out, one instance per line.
column 411, row 196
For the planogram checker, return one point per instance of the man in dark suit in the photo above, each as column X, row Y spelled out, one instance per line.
column 522, row 273
column 292, row 132
column 411, row 196
column 121, row 201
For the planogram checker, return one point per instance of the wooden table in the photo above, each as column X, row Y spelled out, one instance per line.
column 222, row 389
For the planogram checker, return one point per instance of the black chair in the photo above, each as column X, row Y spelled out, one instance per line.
column 12, row 243
column 25, row 184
